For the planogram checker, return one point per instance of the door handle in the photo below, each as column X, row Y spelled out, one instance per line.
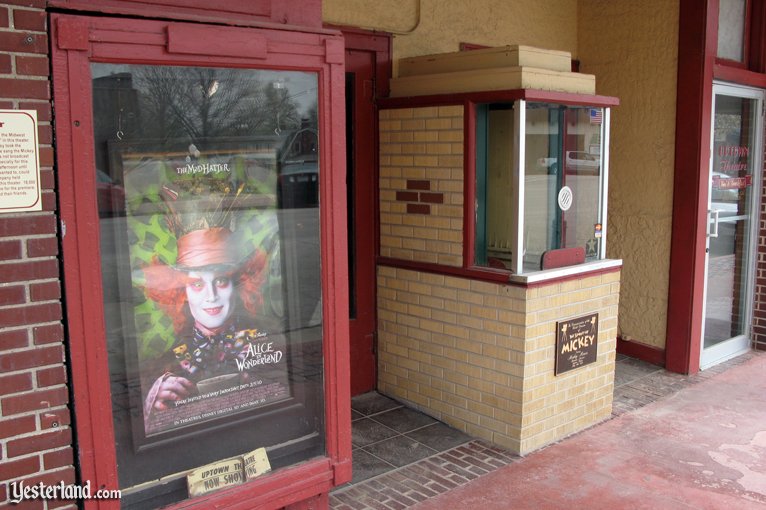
column 715, row 213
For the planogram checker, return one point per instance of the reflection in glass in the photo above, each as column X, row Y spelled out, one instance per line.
column 208, row 192
column 731, row 29
column 731, row 195
column 562, row 151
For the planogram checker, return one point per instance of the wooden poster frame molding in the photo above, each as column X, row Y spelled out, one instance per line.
column 76, row 42
column 698, row 67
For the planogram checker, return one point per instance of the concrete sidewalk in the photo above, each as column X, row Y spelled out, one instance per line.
column 703, row 447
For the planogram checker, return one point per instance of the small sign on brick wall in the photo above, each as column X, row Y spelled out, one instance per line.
column 19, row 162
column 576, row 343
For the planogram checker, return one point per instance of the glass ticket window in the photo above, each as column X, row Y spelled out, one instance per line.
column 541, row 178
column 207, row 184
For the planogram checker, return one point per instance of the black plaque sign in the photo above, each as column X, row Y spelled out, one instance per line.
column 576, row 343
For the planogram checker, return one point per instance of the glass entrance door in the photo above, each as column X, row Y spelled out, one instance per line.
column 736, row 146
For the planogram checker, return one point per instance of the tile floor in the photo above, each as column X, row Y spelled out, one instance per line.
column 387, row 435
column 402, row 457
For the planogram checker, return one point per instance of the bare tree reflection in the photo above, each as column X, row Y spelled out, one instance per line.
column 201, row 103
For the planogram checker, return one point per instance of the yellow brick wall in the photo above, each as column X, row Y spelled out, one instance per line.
column 480, row 356
column 419, row 145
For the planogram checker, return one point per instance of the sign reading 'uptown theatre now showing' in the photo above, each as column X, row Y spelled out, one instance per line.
column 576, row 343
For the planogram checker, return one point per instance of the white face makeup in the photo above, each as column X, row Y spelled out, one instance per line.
column 209, row 294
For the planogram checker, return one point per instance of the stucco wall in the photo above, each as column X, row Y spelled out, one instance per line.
column 444, row 24
column 631, row 47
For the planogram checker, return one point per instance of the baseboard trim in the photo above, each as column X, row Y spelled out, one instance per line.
column 645, row 352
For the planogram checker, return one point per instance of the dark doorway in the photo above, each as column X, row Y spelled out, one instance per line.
column 367, row 64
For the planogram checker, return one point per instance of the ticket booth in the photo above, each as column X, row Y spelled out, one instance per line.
column 201, row 172
column 497, row 304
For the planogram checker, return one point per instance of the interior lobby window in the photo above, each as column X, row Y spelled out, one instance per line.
column 731, row 29
column 540, row 185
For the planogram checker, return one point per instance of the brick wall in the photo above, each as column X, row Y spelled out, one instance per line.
column 35, row 436
column 480, row 356
column 759, row 307
column 421, row 184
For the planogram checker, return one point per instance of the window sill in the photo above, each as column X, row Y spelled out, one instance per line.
column 568, row 272
column 499, row 276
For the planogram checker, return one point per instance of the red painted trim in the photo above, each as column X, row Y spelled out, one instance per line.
column 737, row 75
column 645, row 352
column 279, row 14
column 379, row 45
column 696, row 58
column 486, row 274
column 499, row 96
column 758, row 38
column 90, row 373
column 469, row 184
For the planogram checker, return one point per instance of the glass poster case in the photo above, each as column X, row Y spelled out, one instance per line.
column 203, row 189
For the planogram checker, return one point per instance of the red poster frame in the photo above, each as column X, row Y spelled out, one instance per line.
column 76, row 42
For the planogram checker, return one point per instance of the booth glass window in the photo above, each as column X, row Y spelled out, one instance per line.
column 540, row 185
column 207, row 182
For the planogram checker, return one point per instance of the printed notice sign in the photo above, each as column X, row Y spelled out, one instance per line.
column 229, row 472
column 576, row 343
column 19, row 162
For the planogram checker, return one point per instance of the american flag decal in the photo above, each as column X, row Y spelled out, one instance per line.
column 596, row 116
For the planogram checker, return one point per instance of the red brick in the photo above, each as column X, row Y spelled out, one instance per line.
column 7, row 105
column 15, row 383
column 42, row 247
column 10, row 250
column 45, row 134
column 418, row 209
column 418, row 185
column 49, row 200
column 66, row 475
column 51, row 376
column 28, row 504
column 17, row 426
column 58, row 459
column 432, row 198
column 5, row 64
column 406, row 196
column 47, row 291
column 30, row 314
column 24, row 271
column 18, row 468
column 29, row 20
column 21, row 42
column 27, row 225
column 31, row 358
column 39, row 399
column 4, row 17
column 40, row 4
column 13, row 339
column 43, row 108
column 32, row 66
column 47, row 179
column 54, row 419
column 48, row 334
column 46, row 157
column 12, row 295
column 24, row 89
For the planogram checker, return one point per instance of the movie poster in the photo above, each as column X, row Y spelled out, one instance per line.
column 203, row 243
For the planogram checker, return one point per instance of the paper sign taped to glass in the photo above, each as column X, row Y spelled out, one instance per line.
column 227, row 473
column 201, row 241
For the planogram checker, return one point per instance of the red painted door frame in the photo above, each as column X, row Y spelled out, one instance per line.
column 76, row 42
column 696, row 56
column 368, row 57
column 697, row 68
